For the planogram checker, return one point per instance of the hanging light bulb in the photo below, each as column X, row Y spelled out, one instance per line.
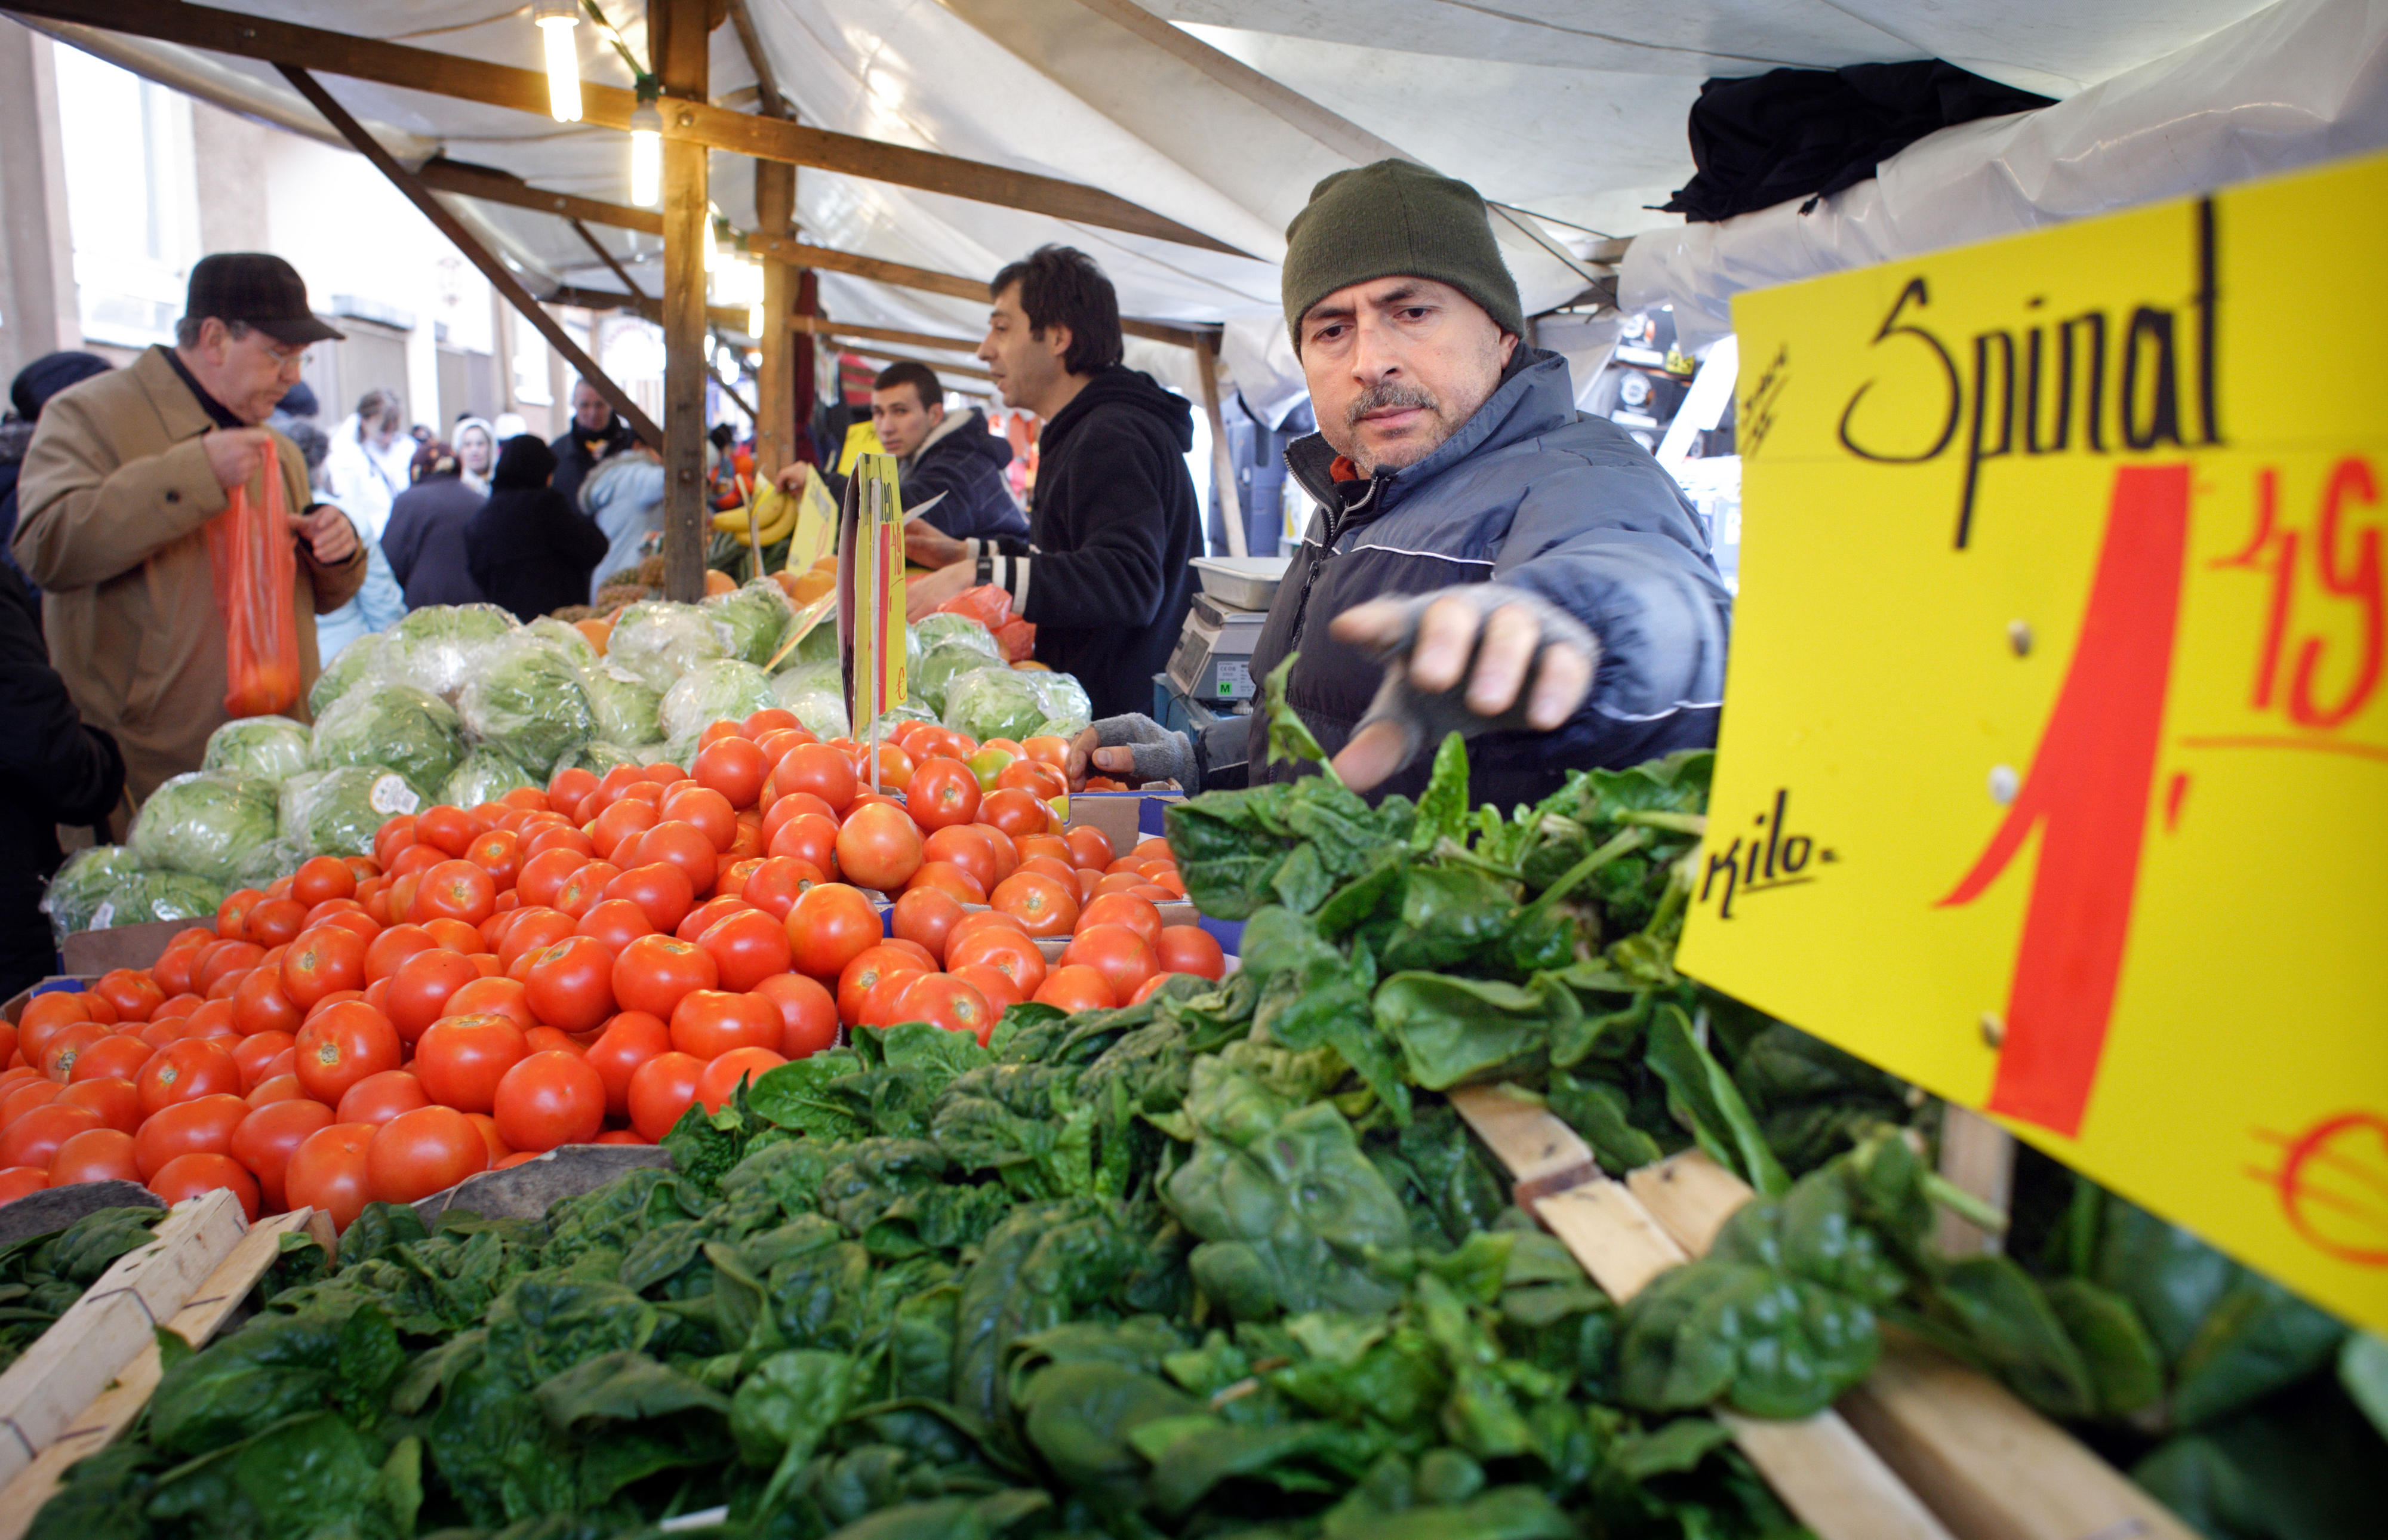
column 556, row 21
column 646, row 155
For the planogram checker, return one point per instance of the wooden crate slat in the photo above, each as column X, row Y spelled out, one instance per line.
column 115, row 1408
column 1611, row 1234
column 1690, row 1195
column 1544, row 1155
column 114, row 1318
column 1832, row 1480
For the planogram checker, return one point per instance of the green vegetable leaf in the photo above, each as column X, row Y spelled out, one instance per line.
column 1290, row 738
column 1442, row 811
column 1705, row 1099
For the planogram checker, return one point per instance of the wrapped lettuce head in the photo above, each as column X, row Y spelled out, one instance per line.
column 273, row 747
column 358, row 662
column 205, row 822
column 486, row 775
column 565, row 636
column 597, row 756
column 723, row 690
column 758, row 617
column 339, row 812
column 621, row 710
column 820, row 646
column 1067, row 707
column 823, row 710
column 994, row 702
column 81, row 885
column 272, row 860
column 944, row 664
column 410, row 730
column 938, row 630
column 439, row 646
column 143, row 897
column 656, row 642
column 526, row 701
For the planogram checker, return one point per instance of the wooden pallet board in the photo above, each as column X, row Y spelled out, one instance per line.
column 114, row 1408
column 1826, row 1475
column 110, row 1324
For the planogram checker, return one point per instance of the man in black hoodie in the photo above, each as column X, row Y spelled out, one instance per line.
column 1106, row 572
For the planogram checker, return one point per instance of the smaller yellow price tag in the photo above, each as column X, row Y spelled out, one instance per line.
column 870, row 594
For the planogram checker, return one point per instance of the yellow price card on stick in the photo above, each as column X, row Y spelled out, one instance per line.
column 871, row 595
column 2054, row 763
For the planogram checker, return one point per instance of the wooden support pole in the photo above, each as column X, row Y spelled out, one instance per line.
column 677, row 36
column 1223, row 460
column 804, row 375
column 775, row 386
column 475, row 252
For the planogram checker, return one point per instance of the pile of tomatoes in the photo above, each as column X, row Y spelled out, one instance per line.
column 580, row 965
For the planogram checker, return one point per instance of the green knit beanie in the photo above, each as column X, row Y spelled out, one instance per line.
column 1390, row 219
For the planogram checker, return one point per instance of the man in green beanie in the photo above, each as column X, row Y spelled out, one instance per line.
column 1485, row 559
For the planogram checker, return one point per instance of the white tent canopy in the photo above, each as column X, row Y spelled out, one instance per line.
column 1220, row 114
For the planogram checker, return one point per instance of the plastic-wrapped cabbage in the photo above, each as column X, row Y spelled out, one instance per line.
column 145, row 896
column 939, row 629
column 204, row 823
column 411, row 731
column 821, row 709
column 597, row 756
column 621, row 710
column 943, row 666
column 1067, row 708
column 273, row 747
column 820, row 646
column 565, row 636
column 272, row 862
column 486, row 775
column 758, row 617
column 723, row 690
column 359, row 661
column 526, row 701
column 994, row 702
column 656, row 642
column 910, row 710
column 81, row 885
column 339, row 812
column 437, row 647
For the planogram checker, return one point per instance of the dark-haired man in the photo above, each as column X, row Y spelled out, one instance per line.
column 937, row 453
column 1105, row 572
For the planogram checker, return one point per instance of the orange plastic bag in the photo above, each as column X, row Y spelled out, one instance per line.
column 255, row 568
column 987, row 604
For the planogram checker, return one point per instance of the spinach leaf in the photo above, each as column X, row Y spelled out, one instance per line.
column 1706, row 1101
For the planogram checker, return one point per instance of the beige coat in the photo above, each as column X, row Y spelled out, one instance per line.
column 114, row 499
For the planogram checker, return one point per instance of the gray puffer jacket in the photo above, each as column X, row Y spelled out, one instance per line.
column 1530, row 493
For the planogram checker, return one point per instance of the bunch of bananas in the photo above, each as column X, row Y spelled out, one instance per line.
column 774, row 519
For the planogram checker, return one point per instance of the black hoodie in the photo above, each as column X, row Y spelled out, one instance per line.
column 1106, row 572
column 527, row 547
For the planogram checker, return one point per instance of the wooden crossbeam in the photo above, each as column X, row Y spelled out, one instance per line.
column 820, row 326
column 940, row 365
column 700, row 123
column 641, row 303
column 442, row 175
column 463, row 240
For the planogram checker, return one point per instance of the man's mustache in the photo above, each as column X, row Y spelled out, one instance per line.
column 1389, row 396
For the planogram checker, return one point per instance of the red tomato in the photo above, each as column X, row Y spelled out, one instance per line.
column 380, row 1097
column 22, row 1099
column 955, row 881
column 1032, row 776
column 808, row 837
column 571, row 985
column 734, row 767
column 94, row 1155
column 616, row 923
column 16, row 1182
column 503, row 997
column 969, row 847
column 487, row 1127
column 925, row 915
column 550, row 1099
column 135, row 996
column 654, row 972
column 535, row 931
column 703, row 809
column 807, row 1013
column 394, row 946
column 325, row 876
column 859, row 978
column 662, row 891
column 342, row 1046
column 274, row 921
column 456, row 890
column 174, row 967
column 321, row 961
column 819, row 769
column 1002, row 991
column 116, row 1057
column 259, row 1004
column 952, row 1004
column 58, row 1058
column 327, row 1171
column 623, row 821
column 189, row 1176
column 231, row 915
column 747, row 947
column 115, row 1103
column 1191, row 949
column 282, row 1087
column 775, row 886
column 544, row 874
column 461, row 1059
column 187, row 1070
column 1137, row 915
column 498, row 853
column 661, row 1089
column 722, row 1077
column 629, row 1041
column 539, row 1039
column 253, row 1053
column 708, row 1023
column 586, row 887
column 1076, row 987
column 266, row 1139
column 830, row 926
column 706, row 916
column 736, row 872
column 557, row 838
column 678, row 844
column 943, row 794
column 1121, row 955
column 1016, row 811
column 224, row 959
column 420, row 990
column 423, row 1151
column 1046, row 905
column 879, row 846
column 1089, row 847
column 1011, row 953
column 202, row 1125
column 567, row 789
column 449, row 828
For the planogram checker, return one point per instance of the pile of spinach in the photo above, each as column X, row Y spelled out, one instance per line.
column 41, row 1275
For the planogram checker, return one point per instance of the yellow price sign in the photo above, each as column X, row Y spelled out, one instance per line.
column 2054, row 773
column 871, row 593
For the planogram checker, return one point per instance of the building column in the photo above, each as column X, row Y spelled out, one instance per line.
column 38, row 312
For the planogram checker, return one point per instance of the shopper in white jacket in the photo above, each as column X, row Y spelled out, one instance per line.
column 366, row 470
